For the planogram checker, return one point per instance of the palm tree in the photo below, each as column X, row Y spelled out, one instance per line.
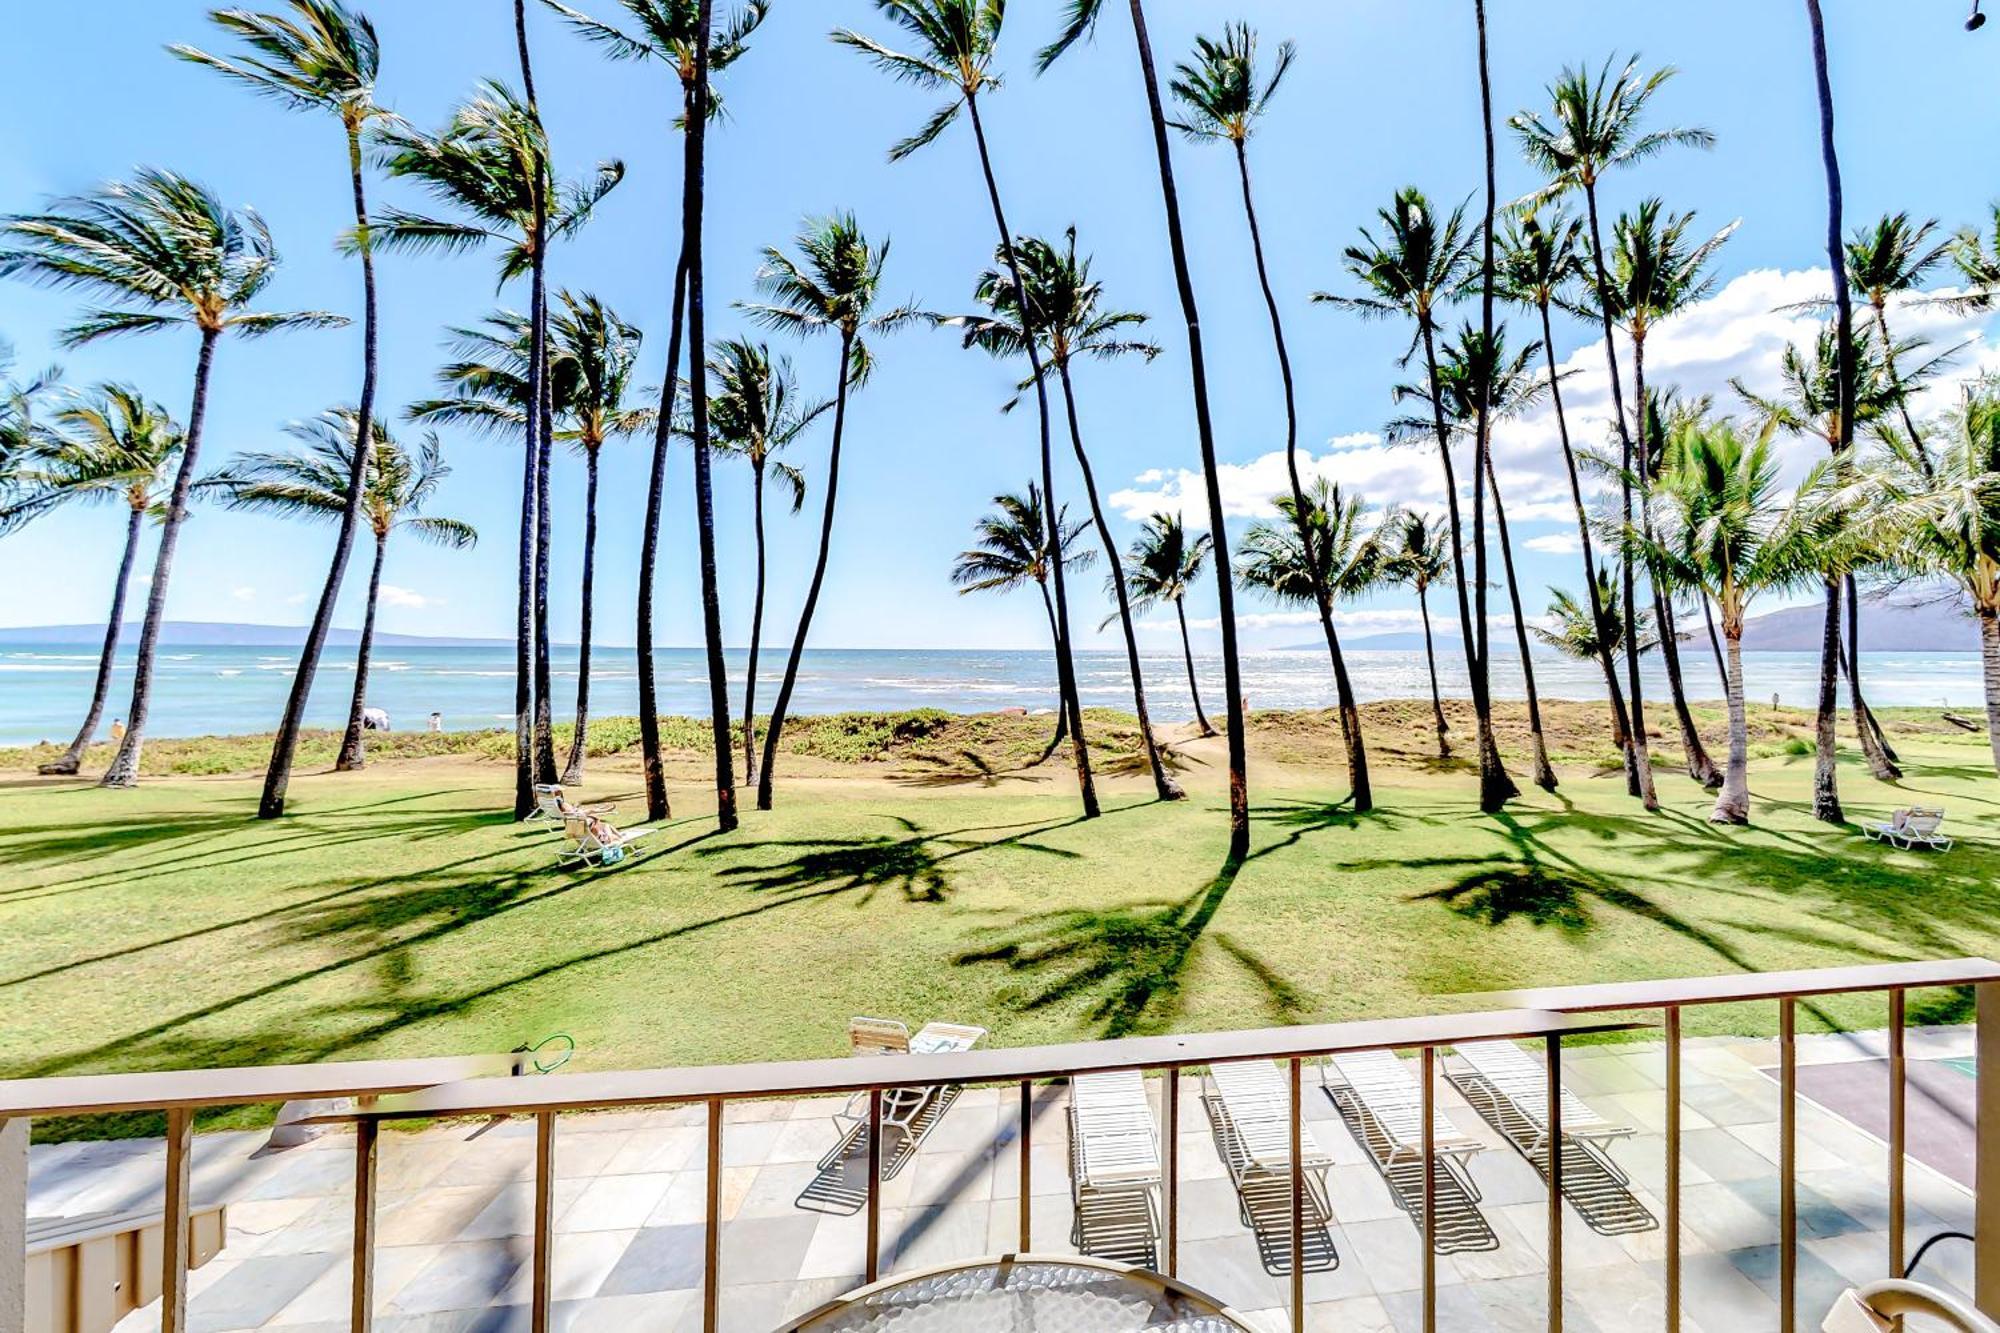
column 164, row 252
column 22, row 437
column 1655, row 273
column 1539, row 264
column 1885, row 261
column 1585, row 632
column 1418, row 266
column 114, row 447
column 831, row 288
column 683, row 36
column 1476, row 370
column 1809, row 402
column 954, row 47
column 1079, row 22
column 1940, row 515
column 1013, row 551
column 1223, row 95
column 1161, row 566
column 1724, row 531
column 1422, row 558
column 1070, row 323
column 312, row 484
column 754, row 413
column 322, row 57
column 592, row 357
column 1273, row 556
column 1977, row 259
column 1592, row 129
column 487, row 164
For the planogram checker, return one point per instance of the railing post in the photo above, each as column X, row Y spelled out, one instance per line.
column 1027, row 1219
column 174, row 1222
column 545, row 1218
column 1788, row 1164
column 1986, row 1174
column 1298, row 1197
column 1427, row 1108
column 1173, row 1182
column 1673, row 1147
column 361, row 1316
column 1555, row 1148
column 873, row 1268
column 14, row 1222
column 1898, row 1130
column 711, row 1262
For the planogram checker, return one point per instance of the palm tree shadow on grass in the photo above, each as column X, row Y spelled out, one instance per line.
column 1128, row 961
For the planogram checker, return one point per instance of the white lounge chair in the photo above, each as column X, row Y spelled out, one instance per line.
column 592, row 841
column 1391, row 1101
column 1921, row 830
column 909, row 1112
column 1505, row 1079
column 1114, row 1167
column 1878, row 830
column 1251, row 1104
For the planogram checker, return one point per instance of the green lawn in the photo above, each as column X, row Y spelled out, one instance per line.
column 395, row 913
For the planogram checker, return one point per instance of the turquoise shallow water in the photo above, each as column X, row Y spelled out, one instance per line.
column 221, row 690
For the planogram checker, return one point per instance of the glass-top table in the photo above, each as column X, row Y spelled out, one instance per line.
column 1025, row 1294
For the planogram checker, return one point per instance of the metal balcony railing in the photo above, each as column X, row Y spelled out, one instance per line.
column 430, row 1089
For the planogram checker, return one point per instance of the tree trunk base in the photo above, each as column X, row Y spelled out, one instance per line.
column 1729, row 815
column 61, row 768
column 346, row 764
column 572, row 777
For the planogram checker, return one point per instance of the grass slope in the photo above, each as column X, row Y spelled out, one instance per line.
column 396, row 912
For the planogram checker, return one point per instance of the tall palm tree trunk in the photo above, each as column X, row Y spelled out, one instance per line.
column 525, row 616
column 72, row 758
column 1826, row 798
column 1881, row 763
column 124, row 769
column 1052, row 511
column 1164, row 786
column 1544, row 773
column 540, row 411
column 278, row 775
column 352, row 753
column 784, row 701
column 1699, row 766
column 573, row 770
column 1638, row 778
column 1187, row 651
column 692, row 199
column 756, row 630
column 1225, row 594
column 651, row 764
column 1459, row 579
column 1641, row 757
column 1732, row 803
column 1431, row 660
column 1714, row 643
column 1989, row 661
column 1350, row 712
column 1062, row 714
column 1495, row 787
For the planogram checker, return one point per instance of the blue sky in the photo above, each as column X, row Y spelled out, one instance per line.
column 1384, row 94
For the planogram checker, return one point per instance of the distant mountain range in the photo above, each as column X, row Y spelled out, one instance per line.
column 224, row 634
column 1886, row 627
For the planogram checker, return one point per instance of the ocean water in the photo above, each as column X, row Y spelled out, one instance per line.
column 213, row 690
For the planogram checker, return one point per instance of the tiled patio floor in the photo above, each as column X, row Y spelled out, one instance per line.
column 454, row 1208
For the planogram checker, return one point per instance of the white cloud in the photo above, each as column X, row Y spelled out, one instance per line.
column 407, row 597
column 1739, row 332
column 297, row 599
column 1556, row 543
column 244, row 594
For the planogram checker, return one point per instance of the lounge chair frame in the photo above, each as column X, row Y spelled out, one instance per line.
column 1114, row 1168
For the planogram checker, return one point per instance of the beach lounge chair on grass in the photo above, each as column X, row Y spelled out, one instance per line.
column 1921, row 830
column 593, row 841
column 1509, row 1088
column 1114, row 1168
column 1381, row 1102
column 1878, row 830
column 909, row 1114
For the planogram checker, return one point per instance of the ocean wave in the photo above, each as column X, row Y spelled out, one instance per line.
column 230, row 671
column 57, row 657
column 39, row 666
column 180, row 657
